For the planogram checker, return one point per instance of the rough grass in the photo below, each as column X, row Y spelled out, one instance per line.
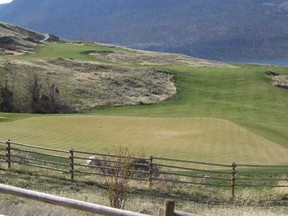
column 91, row 84
column 148, row 58
column 114, row 55
column 147, row 206
column 142, row 200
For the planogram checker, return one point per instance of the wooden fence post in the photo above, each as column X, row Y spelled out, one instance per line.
column 168, row 210
column 233, row 180
column 8, row 153
column 72, row 163
column 150, row 172
column 169, row 207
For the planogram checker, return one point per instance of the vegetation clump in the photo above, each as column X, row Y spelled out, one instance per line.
column 60, row 85
column 118, row 177
column 34, row 94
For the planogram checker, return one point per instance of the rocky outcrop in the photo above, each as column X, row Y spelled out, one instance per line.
column 281, row 81
column 278, row 80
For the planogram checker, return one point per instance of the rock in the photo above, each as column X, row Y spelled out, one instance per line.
column 281, row 81
column 141, row 164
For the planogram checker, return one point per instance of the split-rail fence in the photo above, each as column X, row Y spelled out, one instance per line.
column 153, row 170
column 167, row 210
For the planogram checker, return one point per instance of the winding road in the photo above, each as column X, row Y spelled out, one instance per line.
column 46, row 37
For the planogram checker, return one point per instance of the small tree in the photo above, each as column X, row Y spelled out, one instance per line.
column 45, row 97
column 118, row 175
column 34, row 91
column 30, row 92
column 6, row 101
column 7, row 85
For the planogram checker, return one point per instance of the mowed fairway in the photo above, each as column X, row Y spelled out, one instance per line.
column 202, row 139
column 221, row 115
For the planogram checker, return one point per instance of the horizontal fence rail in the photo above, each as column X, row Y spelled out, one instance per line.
column 155, row 170
column 65, row 202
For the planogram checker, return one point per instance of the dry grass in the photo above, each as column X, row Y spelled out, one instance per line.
column 282, row 190
column 148, row 58
column 143, row 200
column 91, row 84
column 20, row 207
column 244, row 211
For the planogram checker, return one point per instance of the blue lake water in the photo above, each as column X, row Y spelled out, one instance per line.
column 276, row 62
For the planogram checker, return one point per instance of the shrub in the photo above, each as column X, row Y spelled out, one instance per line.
column 31, row 92
column 7, row 85
column 45, row 97
column 118, row 176
column 6, row 99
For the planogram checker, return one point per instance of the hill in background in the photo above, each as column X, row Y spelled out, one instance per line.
column 212, row 29
column 52, row 74
column 15, row 40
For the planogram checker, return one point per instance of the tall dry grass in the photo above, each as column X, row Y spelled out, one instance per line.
column 19, row 207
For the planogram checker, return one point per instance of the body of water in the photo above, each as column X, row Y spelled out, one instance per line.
column 276, row 62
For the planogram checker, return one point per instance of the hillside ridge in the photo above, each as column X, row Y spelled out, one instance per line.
column 15, row 40
column 201, row 28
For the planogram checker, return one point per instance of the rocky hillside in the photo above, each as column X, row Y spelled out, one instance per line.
column 15, row 40
column 211, row 29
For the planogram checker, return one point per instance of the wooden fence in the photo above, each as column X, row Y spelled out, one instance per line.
column 168, row 210
column 151, row 170
column 65, row 202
